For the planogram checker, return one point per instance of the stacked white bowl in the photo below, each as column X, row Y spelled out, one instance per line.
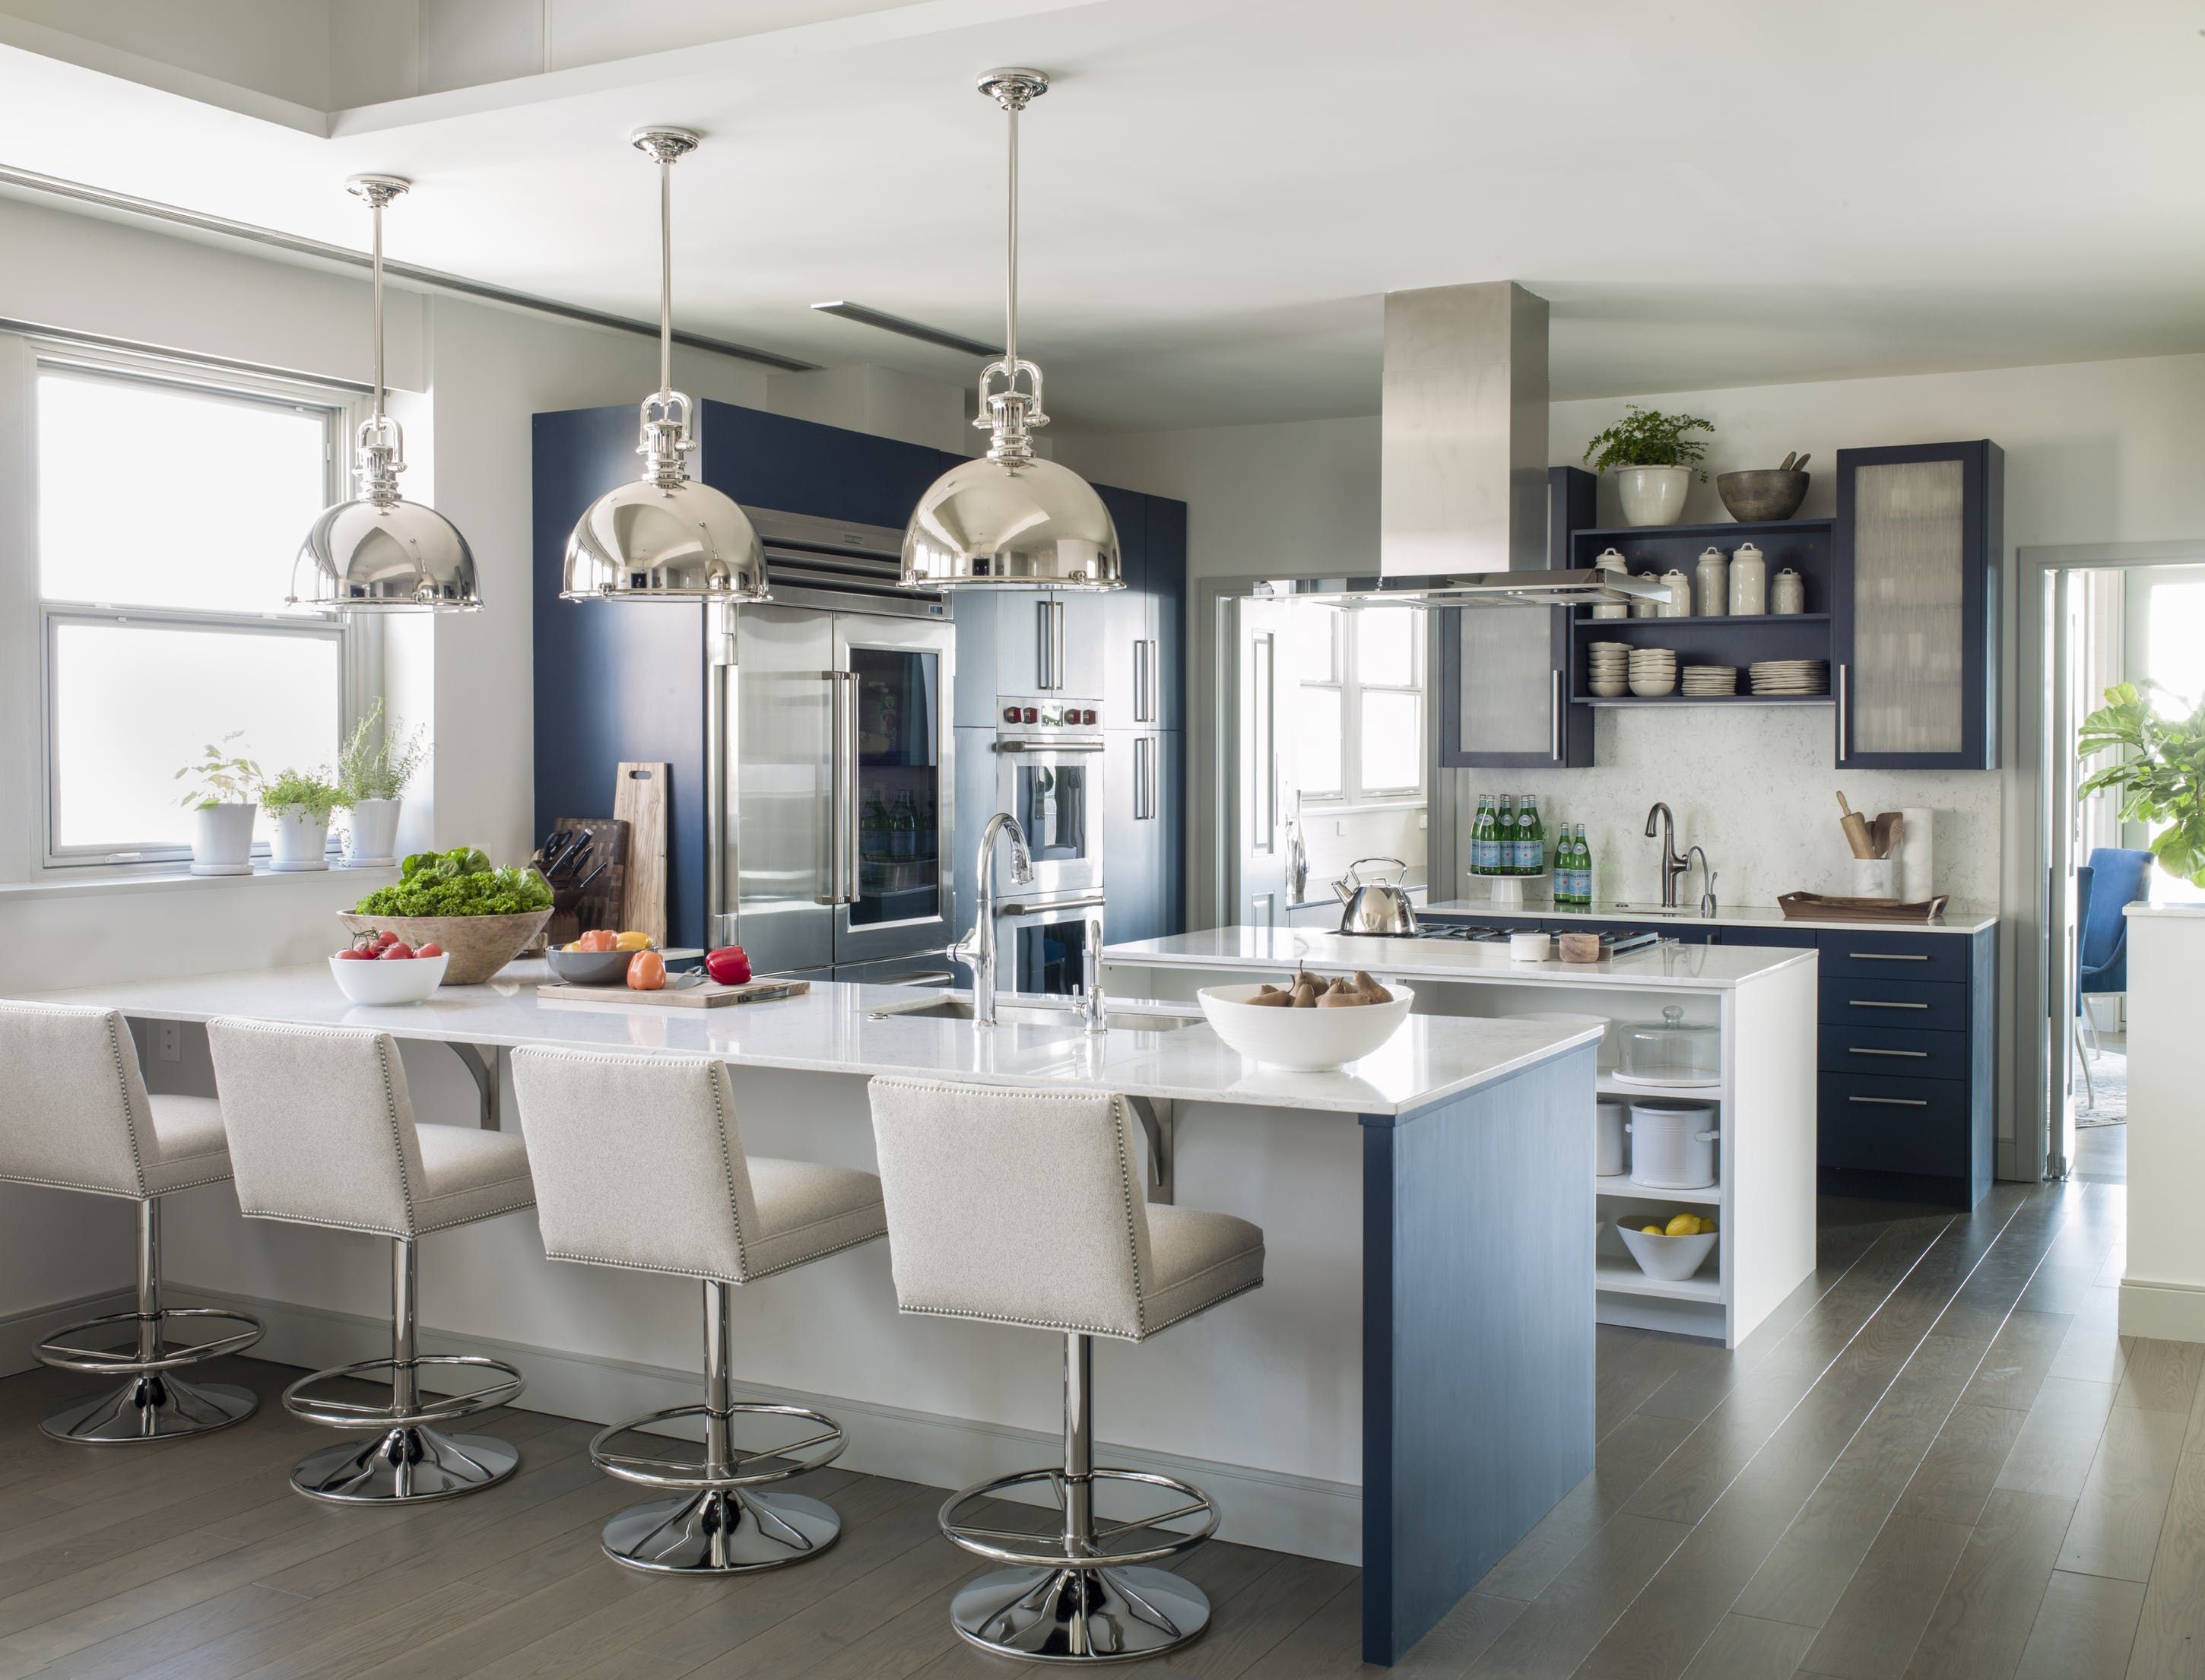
column 1607, row 666
column 1653, row 672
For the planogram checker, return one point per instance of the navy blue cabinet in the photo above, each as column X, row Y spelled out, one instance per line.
column 1920, row 538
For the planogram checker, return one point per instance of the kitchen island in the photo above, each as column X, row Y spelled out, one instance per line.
column 1764, row 1002
column 1412, row 1388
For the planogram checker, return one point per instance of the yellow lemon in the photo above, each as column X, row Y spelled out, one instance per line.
column 1684, row 1224
column 1652, row 1230
column 632, row 940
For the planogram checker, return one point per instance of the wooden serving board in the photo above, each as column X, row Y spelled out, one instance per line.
column 709, row 996
column 639, row 799
column 1817, row 907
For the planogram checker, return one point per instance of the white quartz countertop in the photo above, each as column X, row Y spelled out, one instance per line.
column 2178, row 912
column 833, row 1029
column 1958, row 918
column 1669, row 967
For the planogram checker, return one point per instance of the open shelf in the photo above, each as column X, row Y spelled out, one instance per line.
column 1607, row 1084
column 1739, row 620
column 1623, row 1277
column 1620, row 1184
column 1704, row 700
column 1752, row 530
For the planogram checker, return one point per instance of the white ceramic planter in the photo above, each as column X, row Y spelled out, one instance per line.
column 299, row 842
column 373, row 841
column 221, row 840
column 1653, row 494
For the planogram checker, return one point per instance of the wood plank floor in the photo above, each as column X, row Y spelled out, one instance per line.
column 1939, row 1459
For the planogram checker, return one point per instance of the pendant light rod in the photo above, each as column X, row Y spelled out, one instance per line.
column 1010, row 250
column 378, row 190
column 668, row 147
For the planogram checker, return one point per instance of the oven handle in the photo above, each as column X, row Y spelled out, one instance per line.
column 1089, row 901
column 1048, row 744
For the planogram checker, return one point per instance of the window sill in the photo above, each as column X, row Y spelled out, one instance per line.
column 71, row 884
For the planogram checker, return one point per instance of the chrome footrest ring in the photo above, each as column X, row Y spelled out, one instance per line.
column 59, row 1351
column 693, row 1475
column 1050, row 1552
column 351, row 1415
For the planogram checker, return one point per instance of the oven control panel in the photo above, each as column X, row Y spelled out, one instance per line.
column 1047, row 714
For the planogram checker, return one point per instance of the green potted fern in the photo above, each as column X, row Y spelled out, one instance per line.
column 223, row 801
column 301, row 802
column 1653, row 457
column 373, row 768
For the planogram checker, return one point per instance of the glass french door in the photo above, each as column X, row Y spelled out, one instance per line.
column 896, row 777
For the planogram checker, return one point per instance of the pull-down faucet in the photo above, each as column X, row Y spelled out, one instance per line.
column 977, row 950
column 1673, row 867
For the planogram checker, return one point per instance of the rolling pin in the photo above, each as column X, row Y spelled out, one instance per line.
column 1856, row 828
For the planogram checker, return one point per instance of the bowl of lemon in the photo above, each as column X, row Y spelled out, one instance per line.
column 1667, row 1250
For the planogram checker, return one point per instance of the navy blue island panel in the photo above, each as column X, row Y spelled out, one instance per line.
column 1477, row 1335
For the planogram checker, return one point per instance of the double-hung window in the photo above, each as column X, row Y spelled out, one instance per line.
column 168, row 512
column 1362, row 706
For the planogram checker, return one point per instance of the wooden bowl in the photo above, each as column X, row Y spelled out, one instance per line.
column 1763, row 494
column 480, row 945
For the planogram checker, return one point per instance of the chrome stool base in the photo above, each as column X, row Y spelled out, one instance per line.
column 1079, row 1615
column 408, row 1465
column 158, row 1406
column 728, row 1531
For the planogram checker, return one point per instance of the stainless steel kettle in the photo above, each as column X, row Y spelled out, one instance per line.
column 1375, row 907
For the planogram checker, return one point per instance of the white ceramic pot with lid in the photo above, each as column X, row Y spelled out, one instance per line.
column 1749, row 582
column 1679, row 603
column 1673, row 1145
column 1712, row 599
column 1787, row 592
column 1611, row 559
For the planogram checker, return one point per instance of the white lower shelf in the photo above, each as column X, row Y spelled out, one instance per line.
column 1623, row 1277
column 1607, row 1084
column 1620, row 1184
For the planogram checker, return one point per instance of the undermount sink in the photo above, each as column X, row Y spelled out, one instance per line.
column 1637, row 910
column 956, row 1006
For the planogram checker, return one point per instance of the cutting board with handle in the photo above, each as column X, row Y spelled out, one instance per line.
column 639, row 799
column 711, row 995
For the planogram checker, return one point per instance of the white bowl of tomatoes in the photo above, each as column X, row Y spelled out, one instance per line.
column 383, row 968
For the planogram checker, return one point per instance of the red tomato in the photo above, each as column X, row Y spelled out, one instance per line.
column 397, row 951
column 353, row 954
column 432, row 949
column 646, row 972
column 384, row 936
column 730, row 965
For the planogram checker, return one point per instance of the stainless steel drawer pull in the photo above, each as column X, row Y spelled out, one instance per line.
column 1915, row 1055
column 1869, row 1003
column 1892, row 1102
column 1888, row 956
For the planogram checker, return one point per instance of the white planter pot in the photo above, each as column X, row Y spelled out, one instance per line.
column 221, row 840
column 374, row 840
column 1653, row 494
column 301, row 841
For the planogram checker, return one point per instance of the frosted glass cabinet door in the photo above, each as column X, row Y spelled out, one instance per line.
column 1917, row 550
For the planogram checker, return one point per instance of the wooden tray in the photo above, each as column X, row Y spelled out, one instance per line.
column 709, row 996
column 1817, row 907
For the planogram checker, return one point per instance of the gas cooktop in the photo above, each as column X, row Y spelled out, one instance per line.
column 1473, row 933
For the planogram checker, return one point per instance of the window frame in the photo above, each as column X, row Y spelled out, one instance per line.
column 1348, row 680
column 359, row 640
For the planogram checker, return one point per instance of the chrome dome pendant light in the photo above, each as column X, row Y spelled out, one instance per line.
column 1011, row 518
column 381, row 553
column 665, row 537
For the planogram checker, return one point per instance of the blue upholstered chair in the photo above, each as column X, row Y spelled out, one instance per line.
column 2114, row 878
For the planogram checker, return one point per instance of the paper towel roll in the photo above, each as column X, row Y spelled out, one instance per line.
column 1917, row 855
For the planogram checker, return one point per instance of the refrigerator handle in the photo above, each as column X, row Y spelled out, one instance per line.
column 1156, row 711
column 1140, row 682
column 840, row 836
column 848, row 885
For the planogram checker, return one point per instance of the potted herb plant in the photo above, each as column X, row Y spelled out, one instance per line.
column 2160, row 774
column 224, row 804
column 373, row 768
column 1654, row 458
column 301, row 802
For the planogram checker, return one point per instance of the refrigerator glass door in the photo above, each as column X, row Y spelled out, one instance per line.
column 778, row 787
column 898, row 796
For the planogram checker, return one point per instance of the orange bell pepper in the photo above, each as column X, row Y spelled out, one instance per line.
column 646, row 972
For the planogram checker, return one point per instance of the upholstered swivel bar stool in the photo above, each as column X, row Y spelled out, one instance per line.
column 1024, row 1208
column 75, row 1113
column 322, row 1132
column 638, row 1165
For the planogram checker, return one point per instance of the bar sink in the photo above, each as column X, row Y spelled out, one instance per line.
column 1035, row 1013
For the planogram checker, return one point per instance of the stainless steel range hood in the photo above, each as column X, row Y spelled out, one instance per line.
column 1463, row 459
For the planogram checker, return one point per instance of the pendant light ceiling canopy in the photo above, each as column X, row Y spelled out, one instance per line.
column 665, row 537
column 379, row 552
column 1011, row 518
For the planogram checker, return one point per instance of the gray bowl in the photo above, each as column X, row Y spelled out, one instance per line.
column 590, row 968
column 1764, row 494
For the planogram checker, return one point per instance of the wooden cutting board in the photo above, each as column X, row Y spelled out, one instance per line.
column 639, row 799
column 709, row 996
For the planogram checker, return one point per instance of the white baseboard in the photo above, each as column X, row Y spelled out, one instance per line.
column 21, row 1331
column 2165, row 1312
column 1265, row 1508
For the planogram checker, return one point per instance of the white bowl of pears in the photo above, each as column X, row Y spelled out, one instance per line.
column 1313, row 1024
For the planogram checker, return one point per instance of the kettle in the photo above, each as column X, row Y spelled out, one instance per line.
column 1380, row 907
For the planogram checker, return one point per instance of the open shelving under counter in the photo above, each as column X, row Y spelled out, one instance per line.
column 1621, row 1277
column 1621, row 1187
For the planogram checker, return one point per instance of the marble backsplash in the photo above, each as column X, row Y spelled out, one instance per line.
column 1757, row 789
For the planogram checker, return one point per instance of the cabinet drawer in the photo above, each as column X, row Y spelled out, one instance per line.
column 1879, row 956
column 1893, row 1125
column 1894, row 1053
column 1920, row 1006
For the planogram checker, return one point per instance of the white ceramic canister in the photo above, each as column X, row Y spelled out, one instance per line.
column 1648, row 608
column 1673, row 1145
column 1749, row 582
column 1875, row 878
column 1787, row 592
column 1917, row 855
column 1610, row 1156
column 1679, row 603
column 1612, row 560
column 1711, row 597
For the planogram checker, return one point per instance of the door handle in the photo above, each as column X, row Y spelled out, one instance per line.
column 831, row 833
column 1555, row 716
column 1041, row 644
column 1156, row 711
column 1056, row 625
column 841, row 837
column 1156, row 778
column 1140, row 682
column 1891, row 1101
column 1911, row 1055
column 1867, row 1003
column 1844, row 684
column 1887, row 956
column 850, row 786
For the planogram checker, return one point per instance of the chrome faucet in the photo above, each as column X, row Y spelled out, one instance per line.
column 977, row 950
column 1094, row 1007
column 1673, row 866
column 1709, row 907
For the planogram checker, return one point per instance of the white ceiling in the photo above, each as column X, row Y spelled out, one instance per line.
column 1217, row 194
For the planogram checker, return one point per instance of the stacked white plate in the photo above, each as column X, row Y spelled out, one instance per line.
column 1653, row 672
column 1608, row 665
column 1704, row 682
column 1790, row 676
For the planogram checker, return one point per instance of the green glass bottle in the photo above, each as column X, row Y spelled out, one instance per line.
column 1584, row 869
column 1531, row 838
column 1504, row 837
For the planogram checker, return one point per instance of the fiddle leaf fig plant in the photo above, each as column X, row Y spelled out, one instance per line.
column 2160, row 774
column 1648, row 437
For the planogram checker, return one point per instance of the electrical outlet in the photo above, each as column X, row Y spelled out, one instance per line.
column 171, row 1041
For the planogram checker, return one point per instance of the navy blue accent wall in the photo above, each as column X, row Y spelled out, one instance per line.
column 800, row 467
